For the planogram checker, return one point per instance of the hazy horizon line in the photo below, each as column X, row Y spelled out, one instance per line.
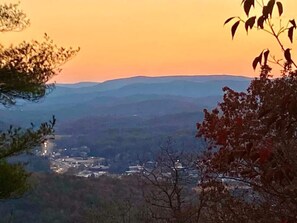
column 147, row 76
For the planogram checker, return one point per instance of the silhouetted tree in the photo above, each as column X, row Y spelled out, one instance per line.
column 168, row 187
column 251, row 158
column 24, row 72
column 263, row 19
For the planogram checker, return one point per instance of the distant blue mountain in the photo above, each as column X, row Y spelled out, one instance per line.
column 78, row 85
column 141, row 96
column 119, row 83
column 119, row 119
column 185, row 88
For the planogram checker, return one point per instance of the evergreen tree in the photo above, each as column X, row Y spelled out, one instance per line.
column 24, row 72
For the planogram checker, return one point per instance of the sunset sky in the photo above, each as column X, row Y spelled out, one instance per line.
column 122, row 38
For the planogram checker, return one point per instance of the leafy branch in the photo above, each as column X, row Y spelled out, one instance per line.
column 264, row 22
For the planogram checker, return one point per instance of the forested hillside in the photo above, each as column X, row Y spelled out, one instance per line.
column 125, row 119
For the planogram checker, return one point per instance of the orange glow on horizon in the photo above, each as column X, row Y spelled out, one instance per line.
column 122, row 38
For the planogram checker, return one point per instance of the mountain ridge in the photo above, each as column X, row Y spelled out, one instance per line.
column 157, row 78
column 139, row 95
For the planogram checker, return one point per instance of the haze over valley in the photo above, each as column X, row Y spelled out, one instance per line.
column 124, row 119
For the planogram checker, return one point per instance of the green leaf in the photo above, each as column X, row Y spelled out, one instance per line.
column 13, row 180
column 280, row 8
column 234, row 28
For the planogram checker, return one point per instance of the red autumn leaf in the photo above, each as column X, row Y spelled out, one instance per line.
column 234, row 28
column 238, row 121
column 228, row 20
column 264, row 155
column 280, row 8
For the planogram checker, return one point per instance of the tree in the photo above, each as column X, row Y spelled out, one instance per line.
column 252, row 137
column 167, row 187
column 265, row 22
column 24, row 72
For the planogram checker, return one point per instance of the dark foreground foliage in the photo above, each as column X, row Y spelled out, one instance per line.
column 24, row 72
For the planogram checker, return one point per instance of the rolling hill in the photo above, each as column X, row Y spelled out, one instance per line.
column 120, row 119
